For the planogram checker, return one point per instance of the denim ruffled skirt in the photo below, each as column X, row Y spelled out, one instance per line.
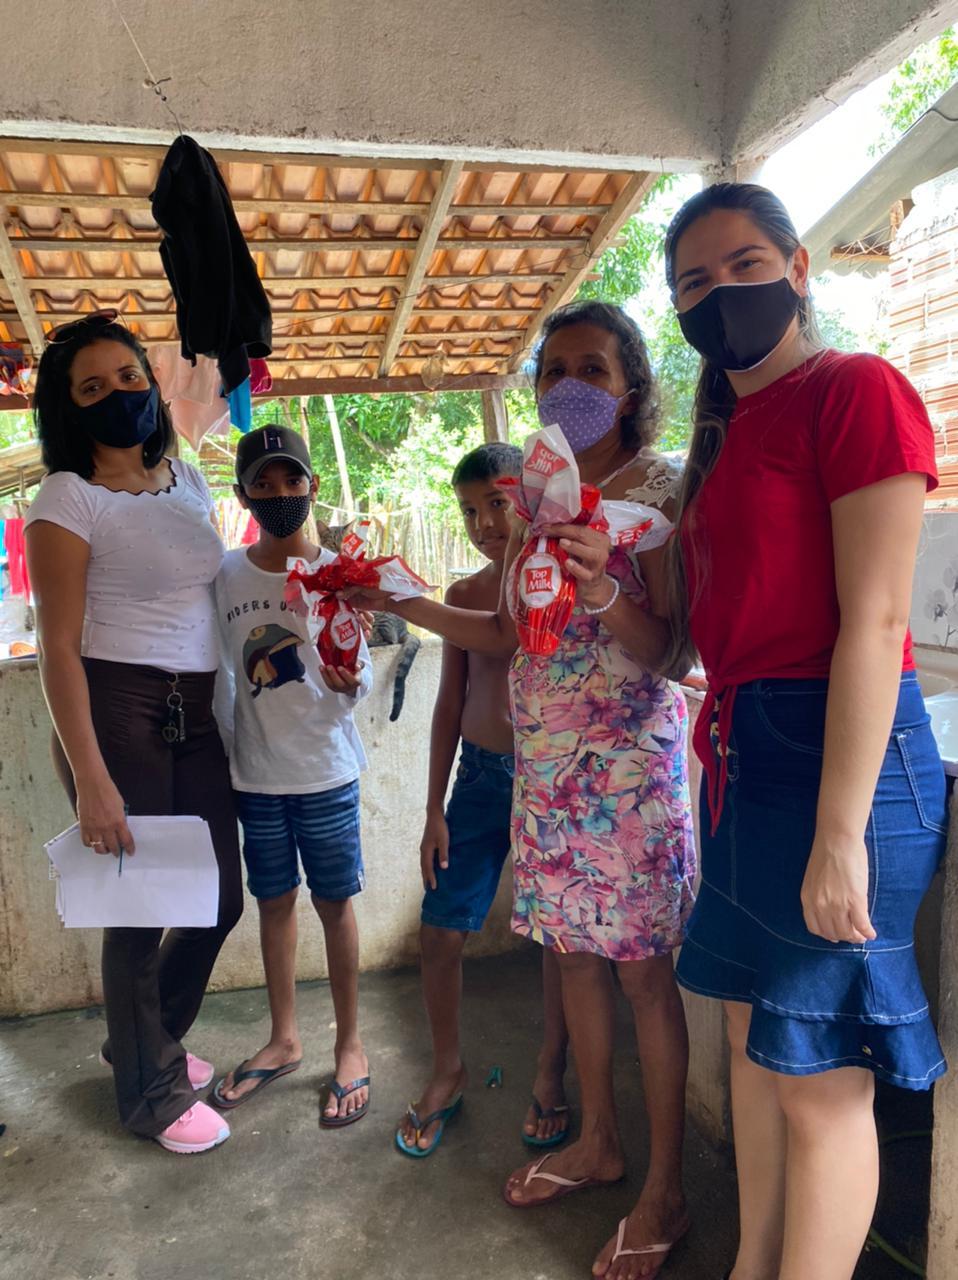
column 817, row 1005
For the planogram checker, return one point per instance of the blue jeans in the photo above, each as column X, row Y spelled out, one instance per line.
column 479, row 819
column 816, row 1004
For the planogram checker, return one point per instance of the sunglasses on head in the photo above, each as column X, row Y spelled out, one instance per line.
column 76, row 328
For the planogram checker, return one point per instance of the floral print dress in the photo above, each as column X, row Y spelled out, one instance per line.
column 601, row 824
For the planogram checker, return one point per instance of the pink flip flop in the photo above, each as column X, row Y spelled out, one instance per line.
column 564, row 1186
column 644, row 1251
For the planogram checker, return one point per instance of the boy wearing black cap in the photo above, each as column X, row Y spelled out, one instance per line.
column 295, row 759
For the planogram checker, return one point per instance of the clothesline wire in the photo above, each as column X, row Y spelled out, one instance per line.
column 151, row 81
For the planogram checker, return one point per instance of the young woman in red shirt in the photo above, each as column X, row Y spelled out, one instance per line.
column 824, row 802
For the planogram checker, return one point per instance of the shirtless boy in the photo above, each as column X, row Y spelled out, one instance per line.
column 465, row 844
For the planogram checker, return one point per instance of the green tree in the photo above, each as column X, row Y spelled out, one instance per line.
column 916, row 84
column 676, row 367
column 835, row 332
column 521, row 408
column 626, row 269
column 632, row 275
column 417, row 472
column 379, row 433
column 16, row 428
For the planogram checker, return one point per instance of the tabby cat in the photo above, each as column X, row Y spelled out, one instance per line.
column 387, row 629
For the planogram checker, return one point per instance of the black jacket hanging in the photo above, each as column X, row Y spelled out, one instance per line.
column 221, row 307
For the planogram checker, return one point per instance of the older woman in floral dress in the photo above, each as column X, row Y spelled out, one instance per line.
column 601, row 821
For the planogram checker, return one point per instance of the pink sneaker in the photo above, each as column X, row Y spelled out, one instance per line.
column 196, row 1130
column 200, row 1072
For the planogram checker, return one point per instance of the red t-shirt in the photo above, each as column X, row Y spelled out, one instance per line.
column 758, row 537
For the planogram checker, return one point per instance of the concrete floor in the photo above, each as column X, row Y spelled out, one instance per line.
column 81, row 1200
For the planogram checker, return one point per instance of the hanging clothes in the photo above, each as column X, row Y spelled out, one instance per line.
column 260, row 378
column 241, row 407
column 221, row 308
column 16, row 557
column 15, row 369
column 230, row 520
column 236, row 526
column 192, row 394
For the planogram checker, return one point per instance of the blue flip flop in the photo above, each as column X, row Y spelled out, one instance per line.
column 547, row 1113
column 340, row 1091
column 444, row 1115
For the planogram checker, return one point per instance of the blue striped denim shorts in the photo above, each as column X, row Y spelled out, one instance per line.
column 321, row 829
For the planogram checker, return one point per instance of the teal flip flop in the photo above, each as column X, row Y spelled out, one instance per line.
column 340, row 1091
column 547, row 1113
column 262, row 1075
column 444, row 1115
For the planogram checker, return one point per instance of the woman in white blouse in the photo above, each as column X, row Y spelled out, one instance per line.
column 122, row 554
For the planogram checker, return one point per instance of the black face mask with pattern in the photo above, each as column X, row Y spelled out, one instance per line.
column 280, row 517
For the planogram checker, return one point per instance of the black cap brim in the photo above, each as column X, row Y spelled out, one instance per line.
column 254, row 468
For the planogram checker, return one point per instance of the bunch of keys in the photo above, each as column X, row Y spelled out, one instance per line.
column 175, row 730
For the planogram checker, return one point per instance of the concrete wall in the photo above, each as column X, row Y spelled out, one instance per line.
column 943, row 1221
column 45, row 967
column 639, row 83
column 791, row 62
column 634, row 79
column 934, row 609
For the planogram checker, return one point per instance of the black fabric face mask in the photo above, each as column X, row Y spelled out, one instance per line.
column 280, row 517
column 122, row 419
column 737, row 326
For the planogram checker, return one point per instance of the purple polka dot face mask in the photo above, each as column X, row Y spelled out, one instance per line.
column 582, row 412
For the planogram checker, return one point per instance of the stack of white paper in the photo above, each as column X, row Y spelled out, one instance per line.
column 172, row 880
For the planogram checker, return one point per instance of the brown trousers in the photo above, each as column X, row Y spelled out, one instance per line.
column 153, row 985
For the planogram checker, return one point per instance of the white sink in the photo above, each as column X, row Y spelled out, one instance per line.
column 943, row 709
